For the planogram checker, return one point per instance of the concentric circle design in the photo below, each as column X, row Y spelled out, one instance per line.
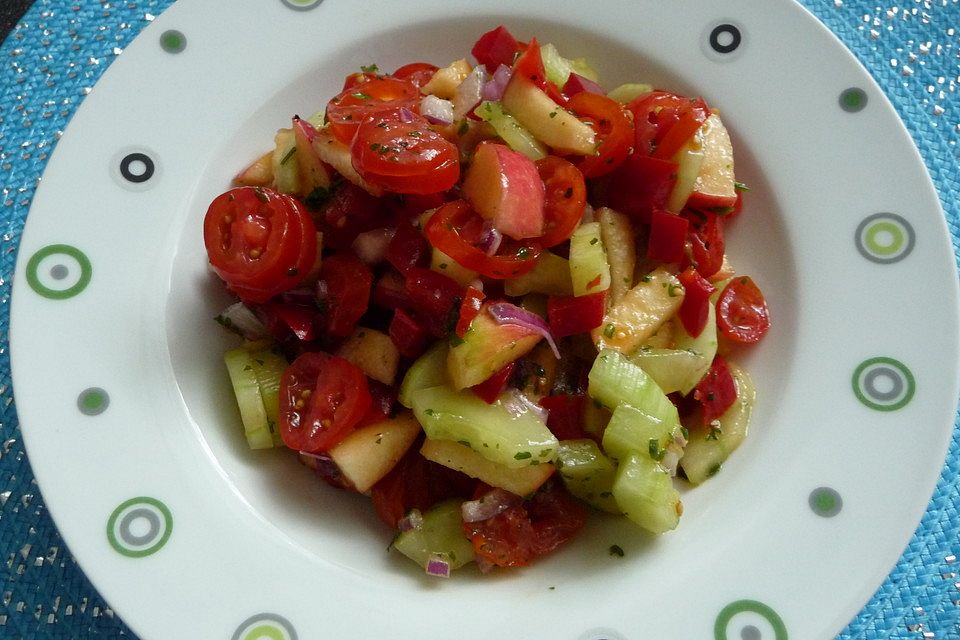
column 884, row 238
column 173, row 41
column 825, row 502
column 302, row 5
column 93, row 401
column 853, row 99
column 139, row 527
column 135, row 168
column 59, row 271
column 883, row 384
column 265, row 626
column 723, row 40
column 749, row 620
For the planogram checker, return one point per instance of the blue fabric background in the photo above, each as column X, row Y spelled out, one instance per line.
column 56, row 53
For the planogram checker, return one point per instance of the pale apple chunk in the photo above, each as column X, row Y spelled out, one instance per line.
column 257, row 174
column 715, row 186
column 283, row 162
column 370, row 452
column 445, row 81
column 337, row 155
column 504, row 187
column 549, row 122
column 523, row 481
column 641, row 312
column 374, row 352
column 313, row 173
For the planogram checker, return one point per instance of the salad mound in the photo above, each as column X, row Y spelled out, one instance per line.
column 492, row 296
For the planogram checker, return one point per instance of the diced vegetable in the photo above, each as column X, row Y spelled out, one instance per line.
column 642, row 311
column 372, row 351
column 255, row 376
column 550, row 276
column 588, row 473
column 286, row 172
column 617, row 235
column 681, row 368
column 486, row 348
column 629, row 91
column 558, row 68
column 429, row 370
column 454, row 455
column 648, row 432
column 370, row 452
column 445, row 81
column 588, row 260
column 547, row 120
column 439, row 537
column 644, row 491
column 510, row 130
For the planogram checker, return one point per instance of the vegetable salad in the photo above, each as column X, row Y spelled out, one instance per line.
column 492, row 296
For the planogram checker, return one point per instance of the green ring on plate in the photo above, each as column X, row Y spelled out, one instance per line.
column 751, row 606
column 133, row 546
column 33, row 265
column 904, row 384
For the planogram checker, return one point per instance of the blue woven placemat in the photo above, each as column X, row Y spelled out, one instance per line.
column 55, row 55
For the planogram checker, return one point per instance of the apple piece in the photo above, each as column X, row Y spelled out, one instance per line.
column 283, row 162
column 545, row 119
column 257, row 174
column 504, row 187
column 374, row 352
column 445, row 81
column 313, row 173
column 487, row 347
column 370, row 452
column 715, row 187
column 337, row 155
column 453, row 455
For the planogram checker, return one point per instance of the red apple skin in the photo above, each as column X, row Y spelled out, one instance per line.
column 504, row 187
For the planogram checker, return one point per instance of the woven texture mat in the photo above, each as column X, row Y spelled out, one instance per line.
column 53, row 57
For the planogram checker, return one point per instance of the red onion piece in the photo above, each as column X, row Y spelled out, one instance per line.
column 406, row 115
column 506, row 313
column 467, row 95
column 492, row 503
column 436, row 110
column 438, row 567
column 370, row 246
column 493, row 89
column 241, row 320
column 517, row 403
column 490, row 239
column 577, row 83
column 411, row 521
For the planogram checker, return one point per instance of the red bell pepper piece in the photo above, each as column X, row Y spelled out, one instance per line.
column 491, row 388
column 469, row 309
column 640, row 185
column 577, row 83
column 408, row 248
column 565, row 415
column 569, row 315
column 717, row 391
column 695, row 308
column 496, row 47
column 409, row 336
column 668, row 236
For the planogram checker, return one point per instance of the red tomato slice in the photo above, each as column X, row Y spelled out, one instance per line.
column 322, row 399
column 664, row 121
column 716, row 392
column 469, row 309
column 435, row 298
column 496, row 47
column 570, row 315
column 259, row 242
column 565, row 195
column 742, row 314
column 344, row 291
column 668, row 236
column 707, row 244
column 405, row 157
column 530, row 66
column 695, row 309
column 419, row 73
column 356, row 103
column 445, row 232
column 614, row 132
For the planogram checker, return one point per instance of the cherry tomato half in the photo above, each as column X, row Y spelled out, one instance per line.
column 445, row 232
column 707, row 244
column 419, row 73
column 356, row 103
column 717, row 391
column 742, row 314
column 664, row 121
column 405, row 157
column 614, row 132
column 322, row 399
column 565, row 195
column 259, row 242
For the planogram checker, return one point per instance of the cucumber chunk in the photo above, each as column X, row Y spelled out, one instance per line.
column 589, row 269
column 681, row 368
column 645, row 492
column 631, row 430
column 588, row 474
column 614, row 379
column 513, row 439
column 255, row 376
column 429, row 370
column 439, row 537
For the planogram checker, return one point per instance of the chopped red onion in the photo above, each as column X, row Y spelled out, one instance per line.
column 412, row 521
column 506, row 313
column 370, row 246
column 406, row 115
column 467, row 95
column 493, row 89
column 241, row 320
column 492, row 503
column 517, row 403
column 490, row 239
column 671, row 458
column 438, row 566
column 576, row 83
column 436, row 110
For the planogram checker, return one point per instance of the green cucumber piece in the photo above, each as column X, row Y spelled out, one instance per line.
column 631, row 430
column 589, row 269
column 588, row 473
column 429, row 370
column 709, row 447
column 645, row 493
column 268, row 367
column 513, row 439
column 286, row 169
column 246, row 388
column 517, row 137
column 550, row 276
column 681, row 368
column 439, row 537
column 558, row 68
column 614, row 379
column 628, row 91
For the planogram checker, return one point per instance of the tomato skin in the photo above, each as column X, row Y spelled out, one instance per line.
column 742, row 313
column 496, row 47
column 349, row 212
column 419, row 73
column 614, row 132
column 360, row 101
column 469, row 309
column 436, row 298
column 716, row 392
column 695, row 309
column 405, row 157
column 570, row 315
column 344, row 290
column 668, row 235
column 259, row 242
column 523, row 532
column 408, row 248
column 565, row 415
column 663, row 122
column 640, row 185
column 565, row 196
column 322, row 399
column 445, row 232
column 707, row 244
column 491, row 388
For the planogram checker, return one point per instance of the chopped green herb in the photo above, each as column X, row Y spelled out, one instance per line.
column 608, row 330
column 317, row 198
column 464, row 127
column 594, row 241
column 739, row 186
column 359, row 95
column 616, row 550
column 370, row 68
column 715, row 432
column 289, row 154
column 430, row 412
column 523, row 455
column 655, row 450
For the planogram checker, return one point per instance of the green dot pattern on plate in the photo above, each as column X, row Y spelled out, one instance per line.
column 93, row 401
column 749, row 619
column 139, row 527
column 884, row 238
column 883, row 384
column 59, row 271
column 173, row 41
column 302, row 5
column 265, row 626
column 853, row 99
column 825, row 502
